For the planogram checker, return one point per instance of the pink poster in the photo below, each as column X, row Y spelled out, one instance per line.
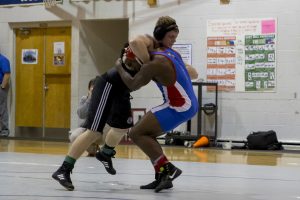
column 268, row 26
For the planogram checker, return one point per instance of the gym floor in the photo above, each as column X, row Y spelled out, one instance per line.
column 208, row 173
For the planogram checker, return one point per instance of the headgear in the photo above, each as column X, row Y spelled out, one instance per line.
column 161, row 30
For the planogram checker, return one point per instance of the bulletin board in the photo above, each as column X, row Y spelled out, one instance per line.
column 241, row 54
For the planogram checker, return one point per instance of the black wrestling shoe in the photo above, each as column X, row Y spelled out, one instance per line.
column 174, row 173
column 106, row 161
column 169, row 173
column 155, row 183
column 62, row 175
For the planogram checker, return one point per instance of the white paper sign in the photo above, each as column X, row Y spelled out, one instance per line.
column 59, row 47
column 185, row 51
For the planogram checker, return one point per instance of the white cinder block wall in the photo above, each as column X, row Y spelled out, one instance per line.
column 239, row 113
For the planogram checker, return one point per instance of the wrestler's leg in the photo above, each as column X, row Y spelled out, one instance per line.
column 95, row 146
column 75, row 133
column 99, row 108
column 144, row 134
column 120, row 120
column 62, row 175
column 112, row 139
column 82, row 142
column 114, row 136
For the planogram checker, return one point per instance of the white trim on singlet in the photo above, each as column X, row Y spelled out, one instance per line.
column 101, row 106
column 160, row 107
column 187, row 101
column 187, row 104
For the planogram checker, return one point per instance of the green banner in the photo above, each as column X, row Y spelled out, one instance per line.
column 260, row 62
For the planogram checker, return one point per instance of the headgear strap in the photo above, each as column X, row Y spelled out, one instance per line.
column 128, row 54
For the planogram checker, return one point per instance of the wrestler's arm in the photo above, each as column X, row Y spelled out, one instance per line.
column 141, row 46
column 147, row 72
column 192, row 71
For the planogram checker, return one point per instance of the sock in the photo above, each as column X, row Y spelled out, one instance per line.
column 107, row 150
column 70, row 161
column 157, row 174
column 159, row 163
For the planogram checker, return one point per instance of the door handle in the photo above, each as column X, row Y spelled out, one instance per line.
column 46, row 87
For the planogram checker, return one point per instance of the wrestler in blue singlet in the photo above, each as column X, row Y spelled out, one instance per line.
column 180, row 102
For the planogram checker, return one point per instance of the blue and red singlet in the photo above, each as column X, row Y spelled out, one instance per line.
column 180, row 102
